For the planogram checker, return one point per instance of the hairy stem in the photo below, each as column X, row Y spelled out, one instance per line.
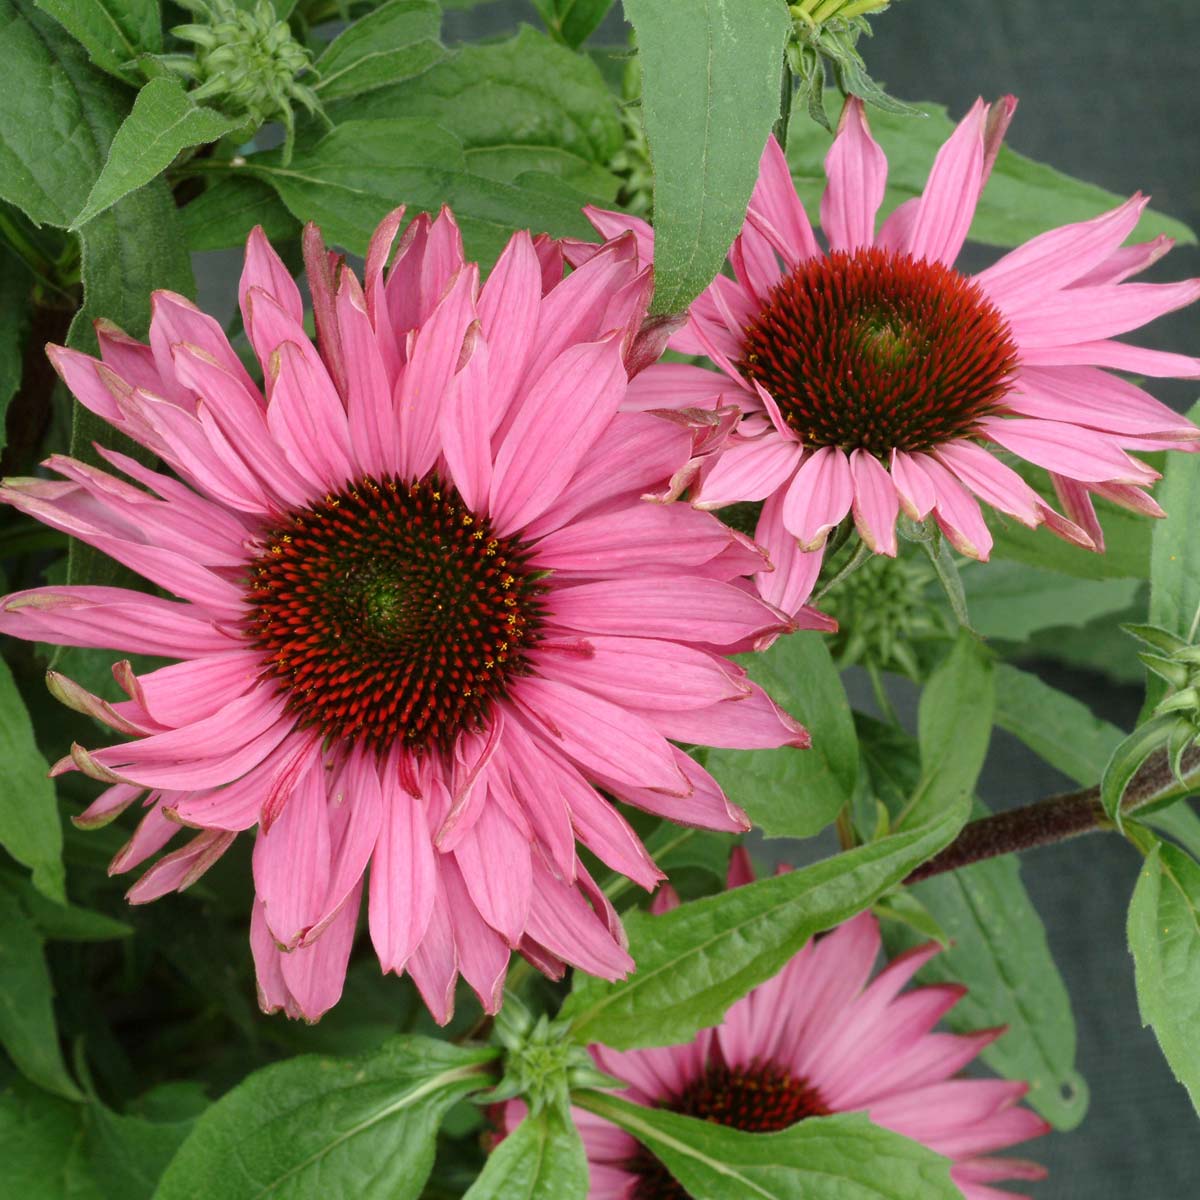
column 1057, row 818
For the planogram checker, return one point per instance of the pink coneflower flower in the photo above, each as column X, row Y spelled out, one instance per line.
column 822, row 1037
column 422, row 614
column 873, row 374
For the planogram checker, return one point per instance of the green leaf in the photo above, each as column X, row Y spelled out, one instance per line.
column 542, row 1159
column 41, row 1147
column 29, row 825
column 1055, row 726
column 68, row 922
column 361, row 170
column 327, row 1128
column 57, row 116
column 1181, row 823
column 129, row 1153
column 223, row 216
column 1127, row 756
column 1013, row 600
column 842, row 1157
column 1175, row 553
column 27, row 1029
column 998, row 951
column 572, row 22
column 516, row 106
column 790, row 792
column 710, row 79
column 15, row 284
column 163, row 121
column 954, row 727
column 114, row 32
column 695, row 961
column 1022, row 198
column 1164, row 938
column 395, row 42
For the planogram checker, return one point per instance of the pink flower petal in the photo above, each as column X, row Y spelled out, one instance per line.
column 753, row 722
column 776, row 210
column 497, row 873
column 508, row 315
column 876, row 504
column 956, row 511
column 818, row 497
column 991, row 480
column 749, row 470
column 1081, row 454
column 315, row 974
column 857, row 171
column 481, row 953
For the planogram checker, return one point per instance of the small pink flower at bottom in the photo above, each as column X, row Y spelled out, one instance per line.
column 875, row 377
column 421, row 612
column 821, row 1037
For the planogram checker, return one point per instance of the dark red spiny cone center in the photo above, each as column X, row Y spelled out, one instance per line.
column 759, row 1099
column 391, row 612
column 879, row 350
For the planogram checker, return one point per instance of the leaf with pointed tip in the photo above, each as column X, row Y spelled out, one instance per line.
column 843, row 1157
column 710, row 94
column 114, row 32
column 1164, row 938
column 163, row 121
column 542, row 1159
column 396, row 41
column 314, row 1128
column 695, row 961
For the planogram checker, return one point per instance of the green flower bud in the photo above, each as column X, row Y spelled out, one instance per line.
column 246, row 63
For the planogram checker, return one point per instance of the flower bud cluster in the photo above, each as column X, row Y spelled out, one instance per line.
column 1176, row 717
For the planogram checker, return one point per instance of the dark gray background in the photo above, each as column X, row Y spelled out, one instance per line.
column 1107, row 92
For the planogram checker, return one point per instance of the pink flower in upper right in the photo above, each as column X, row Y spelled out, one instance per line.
column 873, row 376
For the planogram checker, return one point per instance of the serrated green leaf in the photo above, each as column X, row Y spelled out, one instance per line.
column 27, row 1029
column 1057, row 727
column 521, row 105
column 29, row 825
column 163, row 121
column 222, row 217
column 114, row 32
column 395, row 42
column 1022, row 198
column 572, row 22
column 843, row 1157
column 1164, row 938
column 710, row 94
column 355, row 175
column 790, row 792
column 1013, row 600
column 315, row 1128
column 954, row 727
column 41, row 1147
column 695, row 961
column 57, row 116
column 542, row 1159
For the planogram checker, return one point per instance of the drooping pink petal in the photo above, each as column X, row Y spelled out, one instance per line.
column 875, row 504
column 315, row 974
column 753, row 722
column 776, row 209
column 819, row 496
column 749, row 470
column 495, row 865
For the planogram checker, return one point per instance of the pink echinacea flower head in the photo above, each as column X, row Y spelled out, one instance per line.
column 421, row 613
column 874, row 378
column 821, row 1037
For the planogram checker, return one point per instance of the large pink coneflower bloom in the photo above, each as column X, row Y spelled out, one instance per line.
column 821, row 1037
column 875, row 377
column 421, row 612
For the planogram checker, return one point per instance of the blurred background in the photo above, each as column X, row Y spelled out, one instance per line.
column 1107, row 93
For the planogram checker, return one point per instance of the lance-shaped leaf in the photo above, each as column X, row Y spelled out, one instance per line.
column 29, row 825
column 695, row 961
column 311, row 1127
column 114, row 32
column 710, row 94
column 542, row 1159
column 164, row 120
column 1164, row 938
column 843, row 1157
column 27, row 1029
